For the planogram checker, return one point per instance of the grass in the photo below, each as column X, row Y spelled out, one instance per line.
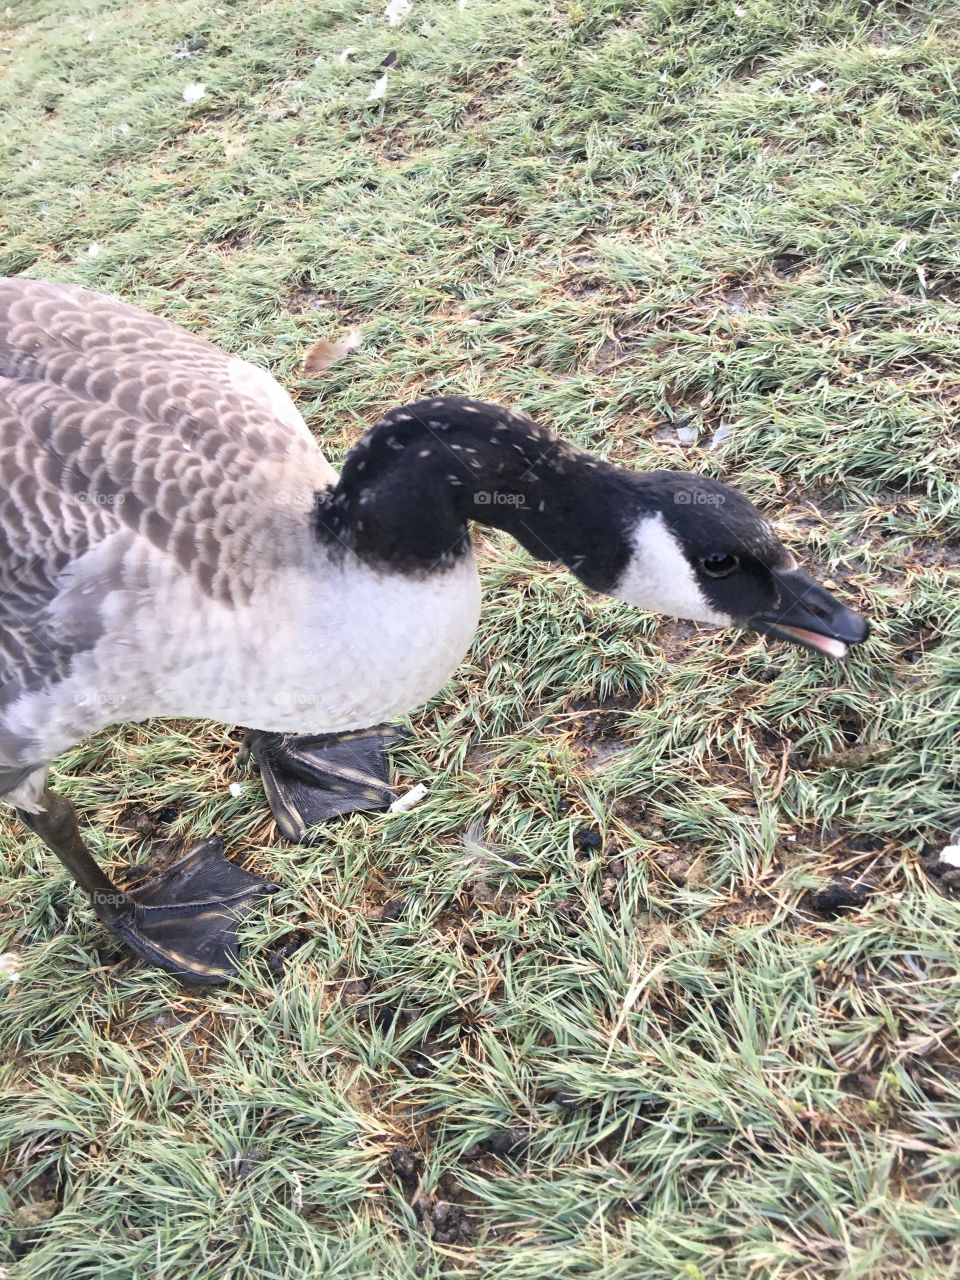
column 586, row 1011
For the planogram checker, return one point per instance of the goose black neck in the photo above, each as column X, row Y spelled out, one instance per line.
column 410, row 486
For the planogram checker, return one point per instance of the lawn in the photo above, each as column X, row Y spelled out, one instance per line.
column 655, row 984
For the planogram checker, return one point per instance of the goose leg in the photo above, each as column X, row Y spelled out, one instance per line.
column 183, row 920
column 309, row 778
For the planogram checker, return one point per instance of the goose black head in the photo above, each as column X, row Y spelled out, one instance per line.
column 702, row 551
column 674, row 543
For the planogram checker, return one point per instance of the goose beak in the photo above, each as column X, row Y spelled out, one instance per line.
column 809, row 615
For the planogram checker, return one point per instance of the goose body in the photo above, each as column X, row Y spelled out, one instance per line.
column 158, row 549
column 173, row 543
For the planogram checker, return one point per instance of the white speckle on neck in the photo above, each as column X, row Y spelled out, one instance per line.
column 659, row 577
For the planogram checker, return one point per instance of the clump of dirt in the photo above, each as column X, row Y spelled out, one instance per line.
column 146, row 822
column 422, row 1063
column 353, row 992
column 34, row 1214
column 40, row 1201
column 234, row 238
column 615, row 870
column 675, row 861
column 569, row 1100
column 787, row 265
column 391, row 911
column 569, row 910
column 588, row 840
column 610, row 353
column 381, row 903
column 281, row 949
column 247, row 1162
column 442, row 1220
column 589, row 286
column 403, row 1162
column 944, row 878
column 482, row 893
column 444, row 1215
column 749, row 909
column 852, row 866
column 856, row 865
column 840, row 895
column 860, row 1084
column 676, row 864
column 505, row 1143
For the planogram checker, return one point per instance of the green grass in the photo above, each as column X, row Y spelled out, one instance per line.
column 640, row 1057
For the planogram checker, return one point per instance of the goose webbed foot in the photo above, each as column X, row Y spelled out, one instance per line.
column 312, row 777
column 185, row 919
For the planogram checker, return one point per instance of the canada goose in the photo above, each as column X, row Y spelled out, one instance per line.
column 173, row 543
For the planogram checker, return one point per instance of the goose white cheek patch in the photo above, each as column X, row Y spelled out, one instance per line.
column 659, row 577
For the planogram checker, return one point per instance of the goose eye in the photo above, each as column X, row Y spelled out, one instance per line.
column 719, row 566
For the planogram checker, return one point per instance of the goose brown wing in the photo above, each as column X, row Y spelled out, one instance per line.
column 118, row 430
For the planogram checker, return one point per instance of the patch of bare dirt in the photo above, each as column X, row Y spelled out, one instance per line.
column 743, row 300
column 306, row 299
column 146, row 822
column 598, row 730
column 672, row 639
column 39, row 1201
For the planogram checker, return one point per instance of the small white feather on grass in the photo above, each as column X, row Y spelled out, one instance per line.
column 379, row 89
column 194, row 92
column 950, row 854
column 408, row 799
